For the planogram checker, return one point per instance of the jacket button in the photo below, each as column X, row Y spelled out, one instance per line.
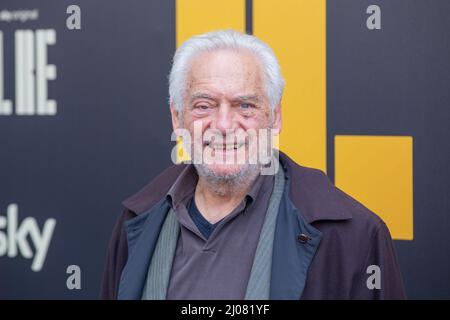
column 303, row 238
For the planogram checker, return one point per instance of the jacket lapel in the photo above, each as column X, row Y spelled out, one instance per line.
column 142, row 235
column 309, row 196
column 294, row 246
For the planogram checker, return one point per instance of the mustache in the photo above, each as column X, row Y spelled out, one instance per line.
column 215, row 136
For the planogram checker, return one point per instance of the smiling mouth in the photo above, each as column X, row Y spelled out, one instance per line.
column 224, row 147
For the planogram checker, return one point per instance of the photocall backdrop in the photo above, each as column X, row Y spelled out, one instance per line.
column 84, row 121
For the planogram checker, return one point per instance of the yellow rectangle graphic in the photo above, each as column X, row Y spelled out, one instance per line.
column 378, row 172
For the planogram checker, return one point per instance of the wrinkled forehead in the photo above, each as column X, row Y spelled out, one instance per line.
column 224, row 71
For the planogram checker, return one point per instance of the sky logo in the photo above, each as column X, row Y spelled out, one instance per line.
column 15, row 236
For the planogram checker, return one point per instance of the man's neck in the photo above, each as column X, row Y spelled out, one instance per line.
column 217, row 201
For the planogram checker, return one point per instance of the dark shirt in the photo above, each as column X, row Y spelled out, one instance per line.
column 218, row 266
column 203, row 225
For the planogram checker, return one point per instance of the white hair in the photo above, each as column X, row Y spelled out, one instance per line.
column 224, row 39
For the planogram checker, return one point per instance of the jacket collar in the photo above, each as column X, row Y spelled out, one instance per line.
column 310, row 191
column 154, row 191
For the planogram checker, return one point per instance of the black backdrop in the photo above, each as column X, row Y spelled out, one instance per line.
column 111, row 132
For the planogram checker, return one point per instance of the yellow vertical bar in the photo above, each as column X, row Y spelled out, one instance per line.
column 200, row 16
column 378, row 171
column 296, row 31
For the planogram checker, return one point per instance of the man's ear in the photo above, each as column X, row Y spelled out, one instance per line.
column 175, row 117
column 277, row 119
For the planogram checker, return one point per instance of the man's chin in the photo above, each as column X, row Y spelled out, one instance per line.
column 230, row 175
column 225, row 170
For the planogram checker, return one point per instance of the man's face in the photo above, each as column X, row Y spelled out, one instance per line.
column 225, row 97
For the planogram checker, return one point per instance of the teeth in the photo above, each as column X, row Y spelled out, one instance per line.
column 225, row 146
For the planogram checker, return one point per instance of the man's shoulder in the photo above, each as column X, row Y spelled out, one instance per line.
column 319, row 199
column 154, row 190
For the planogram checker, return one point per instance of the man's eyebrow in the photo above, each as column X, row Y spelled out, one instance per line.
column 245, row 98
column 201, row 95
column 249, row 98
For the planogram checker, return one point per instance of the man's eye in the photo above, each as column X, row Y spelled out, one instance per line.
column 202, row 107
column 245, row 106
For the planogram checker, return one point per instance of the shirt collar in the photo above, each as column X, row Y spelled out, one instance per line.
column 184, row 187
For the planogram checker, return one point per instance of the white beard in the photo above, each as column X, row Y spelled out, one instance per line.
column 224, row 183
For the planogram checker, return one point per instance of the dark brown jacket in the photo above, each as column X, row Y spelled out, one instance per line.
column 324, row 241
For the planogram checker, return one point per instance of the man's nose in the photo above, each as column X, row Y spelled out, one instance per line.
column 224, row 120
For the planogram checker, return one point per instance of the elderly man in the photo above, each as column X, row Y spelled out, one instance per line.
column 225, row 227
